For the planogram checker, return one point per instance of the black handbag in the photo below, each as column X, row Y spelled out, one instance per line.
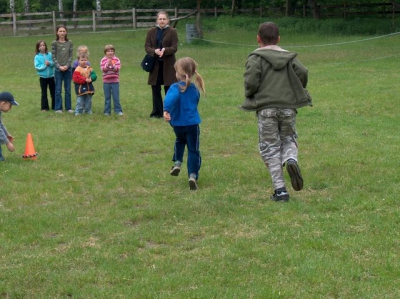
column 148, row 63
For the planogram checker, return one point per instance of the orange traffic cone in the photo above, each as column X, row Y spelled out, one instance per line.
column 29, row 149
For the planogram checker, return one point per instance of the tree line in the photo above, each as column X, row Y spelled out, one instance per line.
column 289, row 7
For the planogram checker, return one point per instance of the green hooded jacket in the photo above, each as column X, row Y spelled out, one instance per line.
column 275, row 78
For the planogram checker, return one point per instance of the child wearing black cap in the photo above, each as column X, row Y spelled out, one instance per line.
column 6, row 103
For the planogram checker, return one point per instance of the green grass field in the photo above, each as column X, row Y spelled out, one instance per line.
column 97, row 215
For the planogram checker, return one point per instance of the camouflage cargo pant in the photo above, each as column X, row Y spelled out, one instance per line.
column 277, row 140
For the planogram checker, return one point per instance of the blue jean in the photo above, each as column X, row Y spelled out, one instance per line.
column 188, row 136
column 111, row 89
column 84, row 104
column 61, row 77
column 1, row 155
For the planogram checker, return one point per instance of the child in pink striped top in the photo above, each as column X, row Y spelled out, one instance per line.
column 110, row 66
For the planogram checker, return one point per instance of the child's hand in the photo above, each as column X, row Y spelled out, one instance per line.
column 10, row 138
column 10, row 147
column 88, row 80
column 167, row 116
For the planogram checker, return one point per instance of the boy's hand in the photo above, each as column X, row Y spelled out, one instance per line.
column 167, row 116
column 10, row 147
column 10, row 138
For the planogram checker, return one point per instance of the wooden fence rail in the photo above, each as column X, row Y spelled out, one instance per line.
column 46, row 22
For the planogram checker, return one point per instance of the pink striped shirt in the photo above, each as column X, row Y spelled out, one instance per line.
column 110, row 72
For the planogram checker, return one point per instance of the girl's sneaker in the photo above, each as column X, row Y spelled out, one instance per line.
column 175, row 170
column 193, row 182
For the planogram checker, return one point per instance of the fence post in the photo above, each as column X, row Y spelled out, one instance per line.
column 176, row 12
column 14, row 16
column 215, row 12
column 54, row 21
column 134, row 24
column 94, row 20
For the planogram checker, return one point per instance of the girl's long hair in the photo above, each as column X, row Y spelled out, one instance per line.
column 38, row 45
column 187, row 68
column 62, row 26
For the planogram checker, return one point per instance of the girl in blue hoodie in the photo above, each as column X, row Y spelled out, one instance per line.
column 45, row 69
column 180, row 110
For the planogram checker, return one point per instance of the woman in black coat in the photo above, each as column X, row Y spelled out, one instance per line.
column 161, row 42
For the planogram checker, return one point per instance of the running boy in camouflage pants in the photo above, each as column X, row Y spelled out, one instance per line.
column 275, row 82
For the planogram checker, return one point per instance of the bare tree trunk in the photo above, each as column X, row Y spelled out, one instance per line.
column 26, row 9
column 233, row 9
column 98, row 9
column 287, row 9
column 98, row 5
column 12, row 6
column 199, row 28
column 75, row 7
column 314, row 8
column 60, row 7
column 74, row 10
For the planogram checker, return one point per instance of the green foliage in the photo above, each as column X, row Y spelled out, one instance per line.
column 363, row 26
column 359, row 26
column 273, row 6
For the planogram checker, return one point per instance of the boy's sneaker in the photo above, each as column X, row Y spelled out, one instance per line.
column 280, row 195
column 120, row 113
column 175, row 170
column 192, row 182
column 58, row 111
column 295, row 174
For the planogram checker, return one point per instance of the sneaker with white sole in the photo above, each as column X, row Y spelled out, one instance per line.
column 193, row 183
column 280, row 195
column 295, row 174
column 175, row 170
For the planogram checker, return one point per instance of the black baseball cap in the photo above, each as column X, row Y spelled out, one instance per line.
column 8, row 97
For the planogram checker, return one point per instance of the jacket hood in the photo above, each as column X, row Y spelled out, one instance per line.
column 277, row 57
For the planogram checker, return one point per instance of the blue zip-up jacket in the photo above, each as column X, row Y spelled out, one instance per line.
column 43, row 70
column 182, row 106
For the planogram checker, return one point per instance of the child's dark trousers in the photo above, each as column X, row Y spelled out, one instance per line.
column 188, row 136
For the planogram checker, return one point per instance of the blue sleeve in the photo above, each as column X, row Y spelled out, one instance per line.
column 171, row 98
column 50, row 59
column 39, row 65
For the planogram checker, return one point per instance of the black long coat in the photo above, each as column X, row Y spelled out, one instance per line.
column 170, row 43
